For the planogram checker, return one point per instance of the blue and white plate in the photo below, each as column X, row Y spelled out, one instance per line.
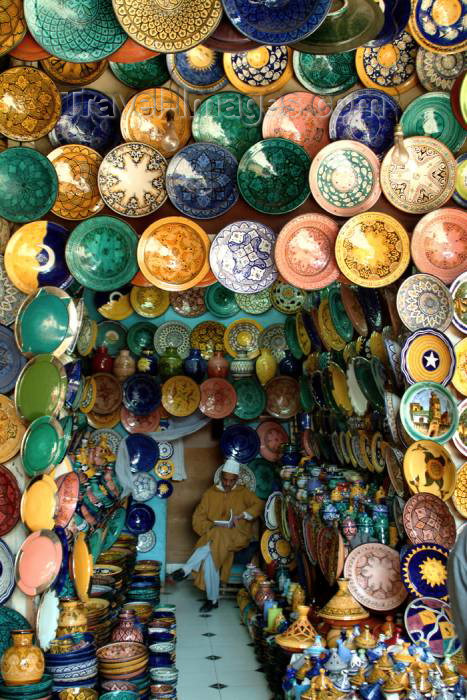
column 11, row 360
column 240, row 442
column 141, row 394
column 146, row 541
column 143, row 452
column 201, row 180
column 242, row 257
column 199, row 70
column 140, row 518
column 368, row 116
column 7, row 572
column 166, row 449
column 276, row 21
column 144, row 487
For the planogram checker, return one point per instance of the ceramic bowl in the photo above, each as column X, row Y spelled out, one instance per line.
column 78, row 693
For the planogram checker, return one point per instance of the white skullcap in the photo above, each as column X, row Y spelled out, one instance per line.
column 231, row 466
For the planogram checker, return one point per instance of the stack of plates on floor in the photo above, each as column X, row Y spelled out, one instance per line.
column 146, row 582
column 142, row 609
column 34, row 691
column 125, row 661
column 77, row 666
column 99, row 623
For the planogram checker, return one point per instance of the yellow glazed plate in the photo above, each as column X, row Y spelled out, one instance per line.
column 173, row 253
column 242, row 336
column 149, row 302
column 12, row 26
column 165, row 469
column 428, row 468
column 38, row 504
column 89, row 395
column 11, row 429
column 78, row 194
column 459, row 497
column 327, row 332
column 81, row 564
column 302, row 336
column 372, row 249
column 339, row 388
column 460, row 375
column 99, row 421
column 180, row 396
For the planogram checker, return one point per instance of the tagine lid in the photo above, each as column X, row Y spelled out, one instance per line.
column 343, row 606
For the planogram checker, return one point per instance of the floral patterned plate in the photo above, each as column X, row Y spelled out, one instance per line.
column 282, row 397
column 423, row 301
column 424, row 570
column 180, row 396
column 175, row 334
column 286, row 298
column 218, row 398
column 273, row 339
column 428, row 468
column 242, row 336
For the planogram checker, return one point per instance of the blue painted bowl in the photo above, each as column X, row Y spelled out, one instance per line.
column 140, row 518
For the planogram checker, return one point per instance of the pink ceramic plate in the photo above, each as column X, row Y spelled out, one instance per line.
column 304, row 251
column 373, row 571
column 38, row 562
column 282, row 397
column 272, row 436
column 140, row 424
column 218, row 398
column 439, row 243
column 301, row 117
column 428, row 519
column 67, row 498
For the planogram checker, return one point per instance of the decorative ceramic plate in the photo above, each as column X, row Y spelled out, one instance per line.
column 304, row 251
column 143, row 74
column 431, row 115
column 372, row 249
column 10, row 497
column 173, row 253
column 13, row 27
column 435, row 184
column 460, row 437
column 428, row 410
column 41, row 388
column 428, row 519
column 368, row 116
column 218, row 398
column 242, row 336
column 143, row 452
column 149, row 302
column 140, row 337
column 423, row 301
column 168, row 28
column 108, row 393
column 11, row 360
column 240, row 442
column 437, row 71
column 460, row 194
column 282, row 397
column 144, row 487
column 256, row 303
column 101, row 253
column 273, row 437
column 459, row 378
column 158, row 117
column 390, row 67
column 180, row 396
column 189, row 303
column 175, row 334
column 42, row 447
column 286, row 298
column 164, row 489
column 48, row 614
column 146, row 541
column 32, row 185
column 141, row 394
column 7, row 572
column 273, row 176
column 330, row 553
column 271, row 510
column 241, row 256
column 344, row 178
column 81, row 567
column 424, row 570
column 251, row 399
column 275, row 548
column 70, row 73
column 165, row 468
column 427, row 355
column 208, row 337
column 428, row 468
column 429, row 623
column 459, row 497
column 199, row 70
column 132, row 179
column 201, row 180
column 259, row 71
column 47, row 322
column 228, row 119
column 30, row 104
column 373, row 571
column 438, row 27
column 140, row 424
column 78, row 194
column 439, row 243
column 38, row 562
column 325, row 75
column 111, row 335
column 273, row 339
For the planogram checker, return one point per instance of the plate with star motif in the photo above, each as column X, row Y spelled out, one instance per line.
column 428, row 355
column 423, row 301
column 424, row 570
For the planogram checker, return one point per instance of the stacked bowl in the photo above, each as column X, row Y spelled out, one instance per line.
column 72, row 662
column 145, row 582
column 34, row 691
column 125, row 661
column 99, row 622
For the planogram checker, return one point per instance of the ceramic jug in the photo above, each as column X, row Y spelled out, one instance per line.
column 124, row 365
column 218, row 366
column 170, row 363
column 102, row 362
column 242, row 366
column 266, row 366
column 23, row 662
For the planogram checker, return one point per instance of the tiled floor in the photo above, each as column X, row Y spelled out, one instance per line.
column 213, row 656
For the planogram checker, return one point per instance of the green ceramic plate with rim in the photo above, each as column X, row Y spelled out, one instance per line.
column 306, row 398
column 341, row 321
column 431, row 115
column 428, row 411
column 144, row 74
column 257, row 303
column 111, row 335
column 291, row 337
column 95, row 543
column 264, row 474
column 220, row 301
column 115, row 525
column 101, row 253
column 140, row 336
column 366, row 382
column 325, row 75
column 41, row 388
column 272, row 176
column 28, row 185
column 42, row 446
column 251, row 399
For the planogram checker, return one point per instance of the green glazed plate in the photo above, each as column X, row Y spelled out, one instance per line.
column 264, row 475
column 144, row 74
column 220, row 301
column 251, row 399
column 325, row 75
column 41, row 388
column 273, row 176
column 431, row 115
column 257, row 303
column 228, row 119
column 46, row 323
column 95, row 544
column 140, row 337
column 12, row 620
column 28, row 185
column 429, row 411
column 366, row 382
column 42, row 446
column 306, row 399
column 101, row 253
column 111, row 335
column 340, row 320
column 115, row 525
column 291, row 337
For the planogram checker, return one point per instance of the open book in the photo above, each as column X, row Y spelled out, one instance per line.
column 225, row 523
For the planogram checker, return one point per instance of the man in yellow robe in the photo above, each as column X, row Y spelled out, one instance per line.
column 213, row 556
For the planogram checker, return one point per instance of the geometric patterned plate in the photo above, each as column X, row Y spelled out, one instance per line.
column 175, row 334
column 428, row 355
column 373, row 571
column 423, row 301
column 439, row 243
column 428, row 519
column 459, row 497
column 424, row 570
column 428, row 621
column 78, row 194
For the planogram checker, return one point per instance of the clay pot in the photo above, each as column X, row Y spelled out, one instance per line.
column 170, row 363
column 218, row 365
column 102, row 362
column 195, row 366
column 22, row 663
column 73, row 618
column 124, row 365
column 127, row 630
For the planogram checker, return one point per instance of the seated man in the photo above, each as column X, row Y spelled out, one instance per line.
column 217, row 544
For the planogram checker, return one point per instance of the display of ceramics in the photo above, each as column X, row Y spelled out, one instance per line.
column 429, row 621
column 373, row 572
column 325, row 74
column 435, row 182
column 208, row 337
column 390, row 67
column 173, row 253
column 372, row 249
column 427, row 355
column 368, row 116
column 428, row 468
column 101, row 253
column 240, row 442
column 273, row 176
column 165, row 125
column 131, row 179
column 197, row 70
column 428, row 519
column 228, row 119
column 32, row 185
column 424, row 570
column 201, row 180
column 459, row 378
column 344, row 178
column 173, row 334
column 428, row 410
column 180, row 396
column 423, row 301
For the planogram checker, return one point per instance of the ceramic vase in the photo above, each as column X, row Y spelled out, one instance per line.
column 101, row 361
column 127, row 629
column 218, row 366
column 23, row 662
column 170, row 363
column 124, row 365
column 73, row 618
column 264, row 593
column 195, row 366
column 241, row 366
column 266, row 366
column 148, row 363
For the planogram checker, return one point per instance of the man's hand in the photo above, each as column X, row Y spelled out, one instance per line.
column 237, row 519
